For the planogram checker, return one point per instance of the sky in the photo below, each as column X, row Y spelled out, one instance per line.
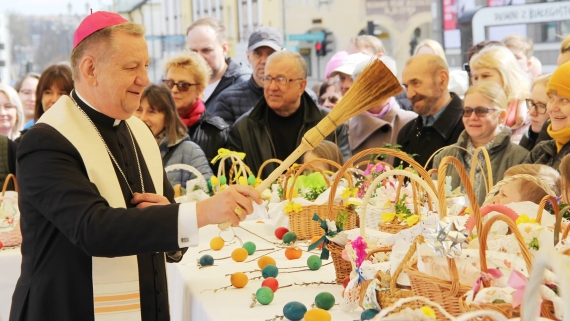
column 53, row 7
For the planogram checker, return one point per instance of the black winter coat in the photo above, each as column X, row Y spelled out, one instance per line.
column 251, row 134
column 211, row 134
column 424, row 141
column 236, row 73
column 241, row 98
column 545, row 153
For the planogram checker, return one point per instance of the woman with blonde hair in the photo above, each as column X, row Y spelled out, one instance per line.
column 11, row 112
column 498, row 64
column 484, row 112
column 187, row 75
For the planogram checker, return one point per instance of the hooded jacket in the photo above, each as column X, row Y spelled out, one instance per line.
column 236, row 73
column 251, row 134
column 503, row 155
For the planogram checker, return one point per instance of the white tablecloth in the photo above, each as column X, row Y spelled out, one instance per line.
column 189, row 301
column 10, row 263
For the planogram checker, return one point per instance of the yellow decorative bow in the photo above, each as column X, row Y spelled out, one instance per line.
column 224, row 152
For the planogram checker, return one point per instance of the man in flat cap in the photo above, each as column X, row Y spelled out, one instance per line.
column 93, row 243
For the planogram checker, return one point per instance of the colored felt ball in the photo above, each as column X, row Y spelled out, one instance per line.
column 315, row 239
column 250, row 247
column 271, row 283
column 280, row 231
column 242, row 180
column 264, row 261
column 317, row 315
column 289, row 238
column 239, row 280
column 324, row 300
column 314, row 262
column 223, row 180
column 264, row 295
column 345, row 281
column 217, row 243
column 294, row 310
column 251, row 179
column 293, row 253
column 269, row 270
column 206, row 260
column 239, row 254
column 368, row 314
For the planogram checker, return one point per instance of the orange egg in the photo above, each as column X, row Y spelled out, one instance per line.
column 316, row 238
column 265, row 260
column 293, row 253
column 239, row 254
column 239, row 279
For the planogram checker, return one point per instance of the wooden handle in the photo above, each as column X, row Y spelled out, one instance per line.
column 267, row 162
column 543, row 202
column 288, row 192
column 407, row 257
column 7, row 180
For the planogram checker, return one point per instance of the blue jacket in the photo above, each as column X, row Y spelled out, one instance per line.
column 186, row 152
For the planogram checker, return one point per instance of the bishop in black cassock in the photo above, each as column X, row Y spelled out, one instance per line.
column 63, row 215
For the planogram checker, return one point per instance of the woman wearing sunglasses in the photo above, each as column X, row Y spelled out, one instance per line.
column 484, row 112
column 329, row 94
column 187, row 76
column 536, row 105
column 158, row 111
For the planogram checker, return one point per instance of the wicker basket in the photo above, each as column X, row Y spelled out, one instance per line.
column 302, row 223
column 505, row 309
column 14, row 236
column 342, row 267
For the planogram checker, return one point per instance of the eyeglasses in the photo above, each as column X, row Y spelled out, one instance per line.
column 540, row 107
column 280, row 81
column 333, row 99
column 479, row 111
column 181, row 85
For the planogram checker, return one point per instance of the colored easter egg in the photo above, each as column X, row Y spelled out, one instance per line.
column 206, row 260
column 345, row 281
column 316, row 238
column 250, row 247
column 294, row 311
column 368, row 314
column 324, row 300
column 264, row 295
column 280, row 231
column 293, row 253
column 239, row 280
column 251, row 179
column 264, row 261
column 217, row 243
column 269, row 270
column 289, row 238
column 271, row 283
column 239, row 254
column 317, row 315
column 314, row 262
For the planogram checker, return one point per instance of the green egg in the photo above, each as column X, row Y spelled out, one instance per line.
column 368, row 314
column 223, row 180
column 206, row 260
column 251, row 180
column 314, row 262
column 294, row 310
column 289, row 238
column 264, row 295
column 269, row 270
column 324, row 300
column 250, row 247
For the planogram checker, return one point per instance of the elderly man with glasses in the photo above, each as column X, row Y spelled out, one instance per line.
column 275, row 126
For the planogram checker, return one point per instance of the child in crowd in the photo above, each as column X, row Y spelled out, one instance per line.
column 327, row 150
column 521, row 190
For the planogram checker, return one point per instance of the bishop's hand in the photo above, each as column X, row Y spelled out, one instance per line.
column 148, row 199
column 232, row 204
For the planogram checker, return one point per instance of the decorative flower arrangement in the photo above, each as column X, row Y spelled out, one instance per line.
column 561, row 205
column 402, row 214
column 530, row 230
column 367, row 177
column 292, row 207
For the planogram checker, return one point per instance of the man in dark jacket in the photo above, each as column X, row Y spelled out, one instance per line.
column 275, row 126
column 242, row 97
column 207, row 37
column 439, row 113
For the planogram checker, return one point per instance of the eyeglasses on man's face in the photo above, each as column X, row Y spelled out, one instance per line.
column 479, row 111
column 181, row 85
column 280, row 81
column 539, row 107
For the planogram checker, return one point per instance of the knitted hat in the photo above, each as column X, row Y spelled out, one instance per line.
column 335, row 61
column 560, row 81
column 95, row 22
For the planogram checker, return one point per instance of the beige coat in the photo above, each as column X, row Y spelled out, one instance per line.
column 365, row 131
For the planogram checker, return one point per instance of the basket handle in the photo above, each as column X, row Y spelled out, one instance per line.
column 7, row 180
column 543, row 203
column 267, row 162
column 415, row 192
column 398, row 304
column 355, row 158
column 527, row 256
column 423, row 183
column 301, row 169
column 234, row 159
column 407, row 257
column 441, row 171
column 558, row 226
